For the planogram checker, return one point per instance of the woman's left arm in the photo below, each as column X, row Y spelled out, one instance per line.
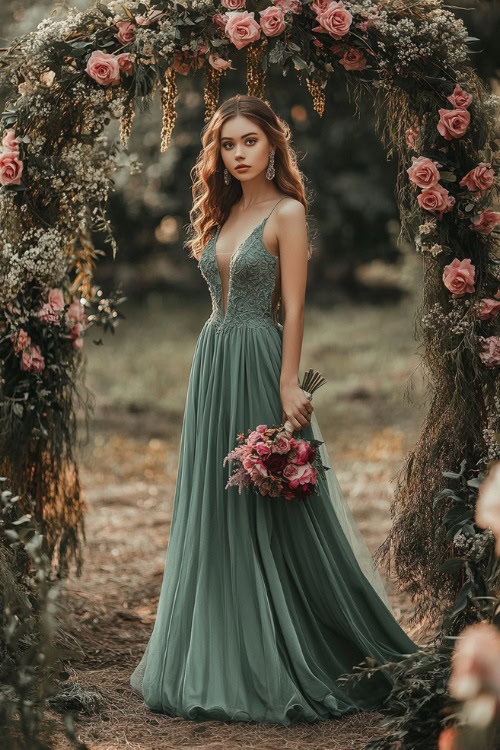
column 293, row 249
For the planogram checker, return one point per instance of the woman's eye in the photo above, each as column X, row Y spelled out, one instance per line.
column 251, row 139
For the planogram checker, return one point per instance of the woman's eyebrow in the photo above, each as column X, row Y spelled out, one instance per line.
column 228, row 138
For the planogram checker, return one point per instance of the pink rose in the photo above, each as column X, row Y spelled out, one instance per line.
column 126, row 31
column 479, row 178
column 242, row 28
column 9, row 142
column 292, row 6
column 476, row 663
column 11, row 168
column 32, row 359
column 460, row 98
column 353, row 60
column 334, row 20
column 218, row 62
column 180, row 65
column 221, row 19
column 486, row 222
column 21, row 340
column 261, row 428
column 264, row 450
column 488, row 308
column 458, row 276
column 491, row 354
column 272, row 20
column 47, row 314
column 453, row 123
column 411, row 137
column 56, row 299
column 259, row 469
column 76, row 335
column 303, row 475
column 103, row 68
column 303, row 452
column 319, row 6
column 154, row 16
column 436, row 199
column 125, row 63
column 233, row 4
column 265, row 487
column 75, row 314
column 281, row 445
column 290, row 471
column 423, row 172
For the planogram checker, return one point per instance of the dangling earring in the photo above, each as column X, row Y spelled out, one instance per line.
column 227, row 176
column 270, row 171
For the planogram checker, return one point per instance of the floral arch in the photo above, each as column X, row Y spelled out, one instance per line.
column 70, row 77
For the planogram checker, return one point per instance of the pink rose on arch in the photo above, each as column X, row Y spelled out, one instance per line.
column 103, row 68
column 458, row 276
column 126, row 31
column 9, row 142
column 486, row 221
column 411, row 137
column 272, row 20
column 47, row 314
column 11, row 168
column 242, row 28
column 423, row 172
column 125, row 63
column 56, row 299
column 180, row 65
column 479, row 178
column 75, row 314
column 20, row 340
column 436, row 199
column 292, row 6
column 334, row 20
column 221, row 19
column 460, row 98
column 353, row 59
column 490, row 356
column 218, row 63
column 76, row 335
column 319, row 6
column 32, row 359
column 233, row 4
column 488, row 307
column 453, row 123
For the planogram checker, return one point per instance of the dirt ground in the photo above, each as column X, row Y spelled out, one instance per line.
column 128, row 474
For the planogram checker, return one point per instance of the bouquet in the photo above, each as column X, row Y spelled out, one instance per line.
column 274, row 463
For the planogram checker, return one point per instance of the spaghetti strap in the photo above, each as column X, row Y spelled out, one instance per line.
column 269, row 214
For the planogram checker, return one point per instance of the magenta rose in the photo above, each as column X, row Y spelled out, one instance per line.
column 218, row 63
column 125, row 63
column 490, row 355
column 436, row 199
column 288, row 6
column 32, row 359
column 486, row 222
column 488, row 308
column 272, row 20
column 423, row 172
column 411, row 137
column 353, row 60
column 458, row 276
column 9, row 142
column 303, row 452
column 126, row 31
column 242, row 28
column 11, row 168
column 103, row 68
column 233, row 4
column 453, row 123
column 21, row 340
column 334, row 20
column 460, row 98
column 479, row 178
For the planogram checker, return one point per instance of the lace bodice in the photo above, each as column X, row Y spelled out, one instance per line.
column 252, row 283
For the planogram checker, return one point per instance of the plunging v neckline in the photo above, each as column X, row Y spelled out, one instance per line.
column 231, row 258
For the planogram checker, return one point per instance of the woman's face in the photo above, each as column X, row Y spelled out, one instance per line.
column 243, row 142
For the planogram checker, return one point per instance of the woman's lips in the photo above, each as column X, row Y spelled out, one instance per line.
column 242, row 167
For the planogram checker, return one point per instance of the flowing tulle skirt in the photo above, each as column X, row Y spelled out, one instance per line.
column 264, row 602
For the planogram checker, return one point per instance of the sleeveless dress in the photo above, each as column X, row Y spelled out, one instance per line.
column 264, row 602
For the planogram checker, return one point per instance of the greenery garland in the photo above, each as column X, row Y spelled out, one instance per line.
column 70, row 77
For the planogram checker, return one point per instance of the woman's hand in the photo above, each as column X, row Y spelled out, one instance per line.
column 296, row 406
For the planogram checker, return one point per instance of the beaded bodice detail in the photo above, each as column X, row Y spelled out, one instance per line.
column 252, row 277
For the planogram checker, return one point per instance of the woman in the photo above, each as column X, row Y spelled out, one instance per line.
column 264, row 602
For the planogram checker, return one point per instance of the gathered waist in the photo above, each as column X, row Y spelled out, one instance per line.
column 221, row 324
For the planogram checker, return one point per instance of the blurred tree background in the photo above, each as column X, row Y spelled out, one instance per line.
column 351, row 183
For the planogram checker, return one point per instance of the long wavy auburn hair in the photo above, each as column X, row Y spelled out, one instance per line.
column 212, row 198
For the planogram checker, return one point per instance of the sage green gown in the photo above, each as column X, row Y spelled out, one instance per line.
column 264, row 602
